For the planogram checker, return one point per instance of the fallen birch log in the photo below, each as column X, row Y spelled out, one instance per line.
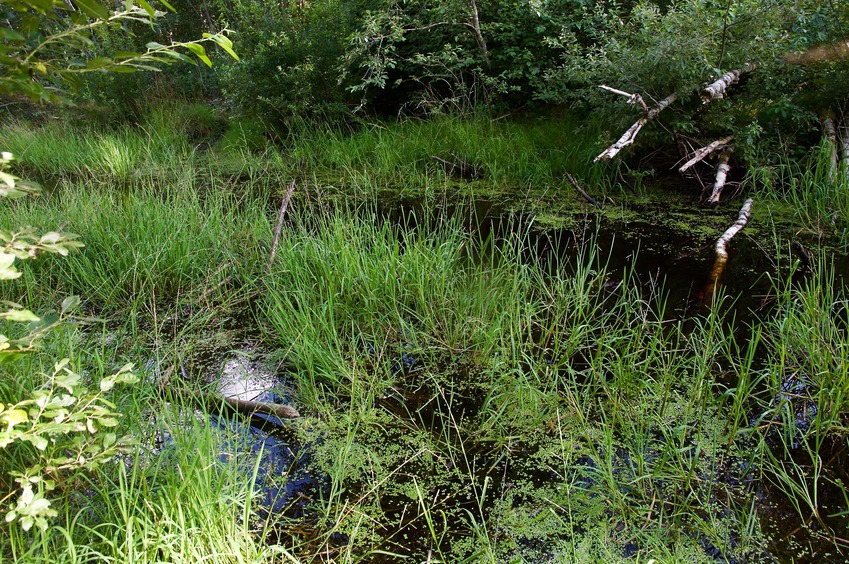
column 249, row 407
column 245, row 407
column 722, row 253
column 716, row 89
column 701, row 154
column 721, row 176
column 629, row 136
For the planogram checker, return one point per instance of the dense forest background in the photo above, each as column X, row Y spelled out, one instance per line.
column 337, row 61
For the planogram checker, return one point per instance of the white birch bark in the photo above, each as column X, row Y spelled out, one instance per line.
column 475, row 24
column 716, row 89
column 629, row 136
column 701, row 154
column 722, row 252
column 830, row 134
column 721, row 174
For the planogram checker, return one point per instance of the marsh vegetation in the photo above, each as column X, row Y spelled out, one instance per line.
column 474, row 384
column 490, row 338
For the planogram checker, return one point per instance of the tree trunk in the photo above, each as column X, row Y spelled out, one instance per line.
column 476, row 28
column 629, row 136
column 830, row 134
column 721, row 173
column 722, row 253
column 700, row 154
column 716, row 90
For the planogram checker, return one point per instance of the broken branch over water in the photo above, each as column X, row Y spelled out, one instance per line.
column 581, row 191
column 701, row 154
column 722, row 253
column 629, row 136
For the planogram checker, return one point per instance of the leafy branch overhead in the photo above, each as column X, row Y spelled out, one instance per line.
column 45, row 45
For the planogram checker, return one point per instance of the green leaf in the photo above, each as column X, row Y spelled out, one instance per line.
column 179, row 57
column 200, row 52
column 7, row 269
column 20, row 316
column 123, row 55
column 147, row 8
column 70, row 303
column 93, row 9
column 38, row 441
column 8, row 179
column 14, row 416
column 98, row 63
column 224, row 42
column 67, row 380
column 11, row 35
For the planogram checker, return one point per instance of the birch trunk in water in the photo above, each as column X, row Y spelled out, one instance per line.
column 722, row 253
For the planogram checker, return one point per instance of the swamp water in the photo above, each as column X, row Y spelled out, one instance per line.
column 461, row 458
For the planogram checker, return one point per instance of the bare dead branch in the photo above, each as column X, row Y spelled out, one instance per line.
column 701, row 154
column 632, row 98
column 581, row 191
column 278, row 227
column 629, row 136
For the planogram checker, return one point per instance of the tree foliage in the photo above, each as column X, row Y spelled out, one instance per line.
column 62, row 426
column 46, row 46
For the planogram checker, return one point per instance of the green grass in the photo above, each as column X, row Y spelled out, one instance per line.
column 510, row 155
column 461, row 401
column 811, row 194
